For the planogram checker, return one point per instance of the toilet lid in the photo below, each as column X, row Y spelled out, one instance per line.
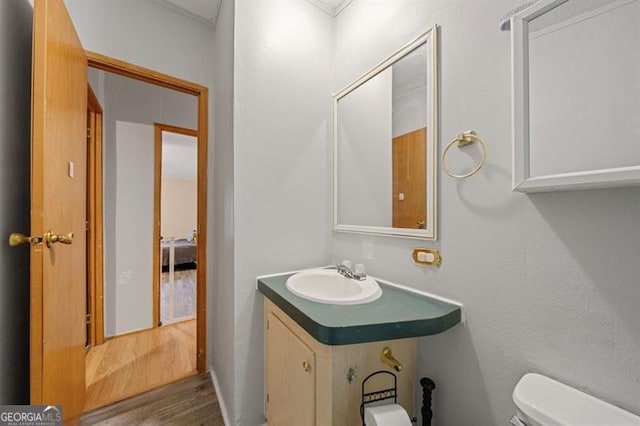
column 548, row 402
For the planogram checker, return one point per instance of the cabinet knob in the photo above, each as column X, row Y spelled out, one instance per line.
column 306, row 366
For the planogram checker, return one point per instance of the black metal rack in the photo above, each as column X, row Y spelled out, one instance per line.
column 378, row 395
column 427, row 384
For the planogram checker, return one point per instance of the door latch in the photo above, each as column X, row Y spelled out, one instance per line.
column 16, row 239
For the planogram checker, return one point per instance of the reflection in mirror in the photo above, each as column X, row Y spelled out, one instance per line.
column 384, row 147
column 576, row 103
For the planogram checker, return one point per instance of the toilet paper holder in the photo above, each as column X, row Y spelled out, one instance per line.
column 380, row 394
column 428, row 385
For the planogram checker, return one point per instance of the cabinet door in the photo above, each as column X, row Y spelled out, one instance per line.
column 290, row 377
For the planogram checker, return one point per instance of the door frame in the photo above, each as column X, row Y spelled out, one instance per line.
column 157, row 213
column 95, row 220
column 116, row 66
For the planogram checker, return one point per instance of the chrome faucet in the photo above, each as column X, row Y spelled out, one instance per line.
column 345, row 270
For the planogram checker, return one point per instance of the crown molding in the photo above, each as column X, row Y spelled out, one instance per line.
column 331, row 11
column 177, row 9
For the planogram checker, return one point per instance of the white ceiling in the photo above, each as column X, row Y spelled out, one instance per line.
column 206, row 11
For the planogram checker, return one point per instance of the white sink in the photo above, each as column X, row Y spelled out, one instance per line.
column 328, row 286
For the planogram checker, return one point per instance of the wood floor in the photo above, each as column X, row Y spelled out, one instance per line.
column 183, row 303
column 129, row 365
column 188, row 402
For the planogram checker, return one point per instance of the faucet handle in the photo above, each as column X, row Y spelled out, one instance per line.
column 359, row 270
column 346, row 263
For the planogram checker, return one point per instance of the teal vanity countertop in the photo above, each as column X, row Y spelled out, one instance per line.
column 397, row 314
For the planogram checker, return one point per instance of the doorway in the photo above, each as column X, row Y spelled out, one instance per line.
column 58, row 198
column 129, row 352
column 175, row 216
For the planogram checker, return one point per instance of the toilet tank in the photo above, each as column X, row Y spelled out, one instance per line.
column 542, row 401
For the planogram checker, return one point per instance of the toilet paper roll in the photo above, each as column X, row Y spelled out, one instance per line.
column 386, row 415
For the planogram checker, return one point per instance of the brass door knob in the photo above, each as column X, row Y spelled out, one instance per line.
column 306, row 366
column 51, row 238
column 16, row 239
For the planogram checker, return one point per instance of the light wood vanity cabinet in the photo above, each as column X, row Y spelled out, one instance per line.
column 306, row 382
column 290, row 370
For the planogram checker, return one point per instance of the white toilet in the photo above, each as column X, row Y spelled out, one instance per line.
column 542, row 401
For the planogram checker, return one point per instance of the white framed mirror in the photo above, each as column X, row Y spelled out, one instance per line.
column 576, row 95
column 385, row 143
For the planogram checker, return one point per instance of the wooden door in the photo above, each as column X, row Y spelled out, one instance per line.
column 58, row 206
column 290, row 377
column 410, row 180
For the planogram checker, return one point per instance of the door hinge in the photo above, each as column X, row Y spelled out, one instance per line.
column 88, row 132
column 88, row 318
column 267, row 324
column 267, row 398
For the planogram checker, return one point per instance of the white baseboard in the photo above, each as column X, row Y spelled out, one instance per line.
column 223, row 407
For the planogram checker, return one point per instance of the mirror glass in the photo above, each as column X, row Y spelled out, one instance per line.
column 581, row 102
column 384, row 147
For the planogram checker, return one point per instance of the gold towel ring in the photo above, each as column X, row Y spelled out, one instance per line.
column 464, row 139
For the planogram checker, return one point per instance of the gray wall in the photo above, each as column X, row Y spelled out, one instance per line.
column 15, row 127
column 129, row 298
column 550, row 282
column 221, row 294
column 282, row 189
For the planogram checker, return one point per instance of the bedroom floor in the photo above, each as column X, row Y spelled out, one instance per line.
column 134, row 363
column 178, row 302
